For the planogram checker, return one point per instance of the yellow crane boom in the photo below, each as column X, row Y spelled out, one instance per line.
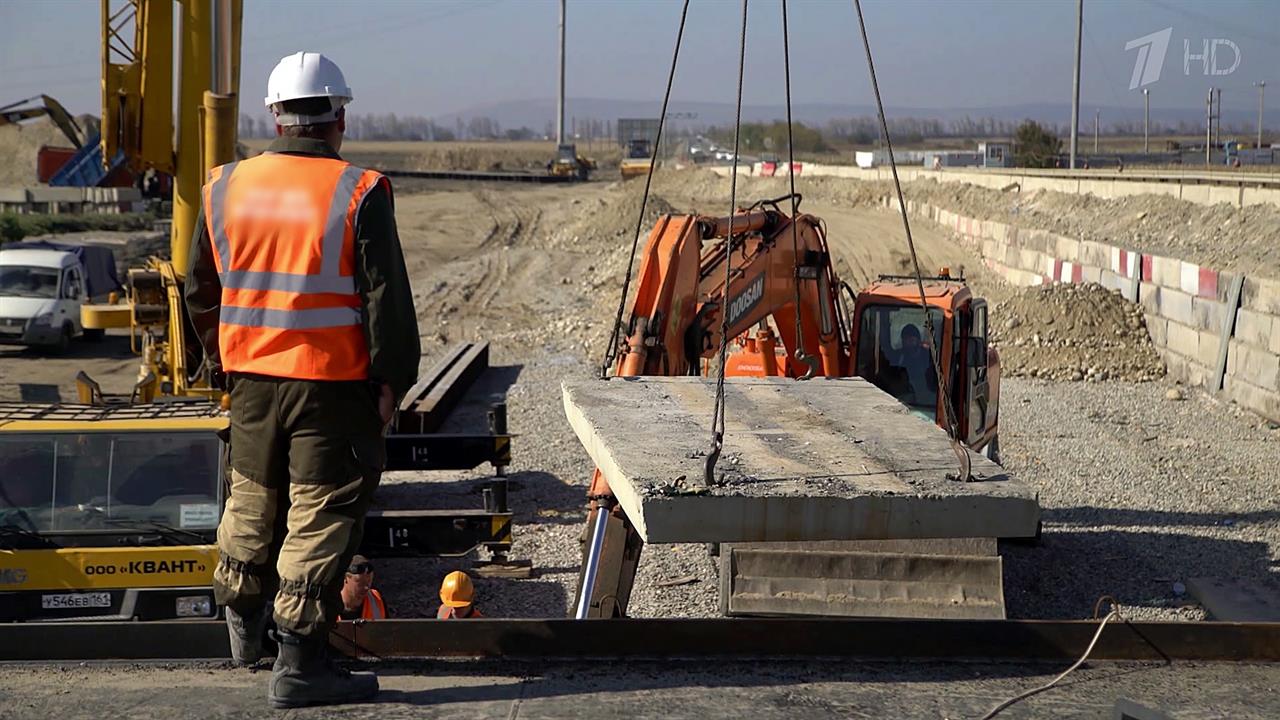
column 138, row 57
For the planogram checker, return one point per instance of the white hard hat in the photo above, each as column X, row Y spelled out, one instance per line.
column 306, row 75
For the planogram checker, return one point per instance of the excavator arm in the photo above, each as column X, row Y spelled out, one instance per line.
column 676, row 325
column 676, row 321
column 16, row 112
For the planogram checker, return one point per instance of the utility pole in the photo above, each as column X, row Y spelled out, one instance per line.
column 1262, row 89
column 1208, row 127
column 560, row 103
column 1146, row 120
column 1097, row 117
column 1217, row 118
column 1075, row 86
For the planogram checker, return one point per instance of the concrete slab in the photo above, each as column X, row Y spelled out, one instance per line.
column 825, row 459
column 1233, row 600
column 939, row 578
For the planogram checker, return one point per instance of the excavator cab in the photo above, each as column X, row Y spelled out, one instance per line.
column 892, row 350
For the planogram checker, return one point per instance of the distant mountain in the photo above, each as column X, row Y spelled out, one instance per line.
column 536, row 113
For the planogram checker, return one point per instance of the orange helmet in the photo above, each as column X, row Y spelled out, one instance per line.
column 456, row 590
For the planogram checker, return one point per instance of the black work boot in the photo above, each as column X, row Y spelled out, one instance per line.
column 304, row 675
column 247, row 633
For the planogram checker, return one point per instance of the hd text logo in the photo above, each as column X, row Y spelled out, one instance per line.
column 1208, row 55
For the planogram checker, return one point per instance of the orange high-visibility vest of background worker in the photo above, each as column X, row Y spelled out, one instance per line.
column 282, row 232
column 457, row 595
column 374, row 608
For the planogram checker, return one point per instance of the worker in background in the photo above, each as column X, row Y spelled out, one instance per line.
column 297, row 290
column 457, row 597
column 360, row 601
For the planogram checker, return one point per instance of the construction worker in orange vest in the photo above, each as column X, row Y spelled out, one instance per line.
column 297, row 290
column 457, row 596
column 360, row 600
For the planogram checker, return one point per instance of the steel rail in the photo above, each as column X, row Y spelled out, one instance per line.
column 482, row 176
column 870, row 639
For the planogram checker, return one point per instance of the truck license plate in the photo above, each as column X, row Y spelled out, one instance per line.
column 75, row 600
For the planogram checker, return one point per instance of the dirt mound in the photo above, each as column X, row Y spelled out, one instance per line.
column 1220, row 236
column 465, row 155
column 18, row 147
column 608, row 218
column 1073, row 332
column 709, row 192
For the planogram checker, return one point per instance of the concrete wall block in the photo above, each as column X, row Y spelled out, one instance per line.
column 1033, row 239
column 1067, row 248
column 991, row 248
column 1166, row 272
column 1149, row 298
column 1247, row 395
column 1210, row 346
column 1183, row 340
column 1158, row 329
column 1207, row 314
column 1176, row 305
column 1259, row 196
column 1182, row 369
column 1112, row 281
column 1261, row 294
column 1093, row 253
column 1029, row 260
column 1273, row 342
column 1090, row 274
column 1253, row 327
column 1255, row 366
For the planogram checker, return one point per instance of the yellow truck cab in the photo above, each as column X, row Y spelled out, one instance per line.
column 109, row 512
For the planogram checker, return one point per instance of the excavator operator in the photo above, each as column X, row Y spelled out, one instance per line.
column 298, row 292
column 914, row 358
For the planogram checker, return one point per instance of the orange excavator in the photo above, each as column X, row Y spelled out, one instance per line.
column 788, row 315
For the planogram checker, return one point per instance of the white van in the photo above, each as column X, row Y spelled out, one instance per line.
column 43, row 285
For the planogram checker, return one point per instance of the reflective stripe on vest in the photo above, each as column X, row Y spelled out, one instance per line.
column 282, row 228
column 374, row 608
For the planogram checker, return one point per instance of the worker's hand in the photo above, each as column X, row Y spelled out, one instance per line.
column 386, row 404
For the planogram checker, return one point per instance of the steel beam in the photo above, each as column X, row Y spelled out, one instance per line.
column 481, row 176
column 872, row 639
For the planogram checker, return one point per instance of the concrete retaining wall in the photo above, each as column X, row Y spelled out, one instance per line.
column 1189, row 309
column 1202, row 189
column 58, row 200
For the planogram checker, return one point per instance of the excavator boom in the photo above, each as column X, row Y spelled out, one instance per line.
column 779, row 268
column 19, row 111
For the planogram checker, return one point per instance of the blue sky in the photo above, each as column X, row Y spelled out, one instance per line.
column 432, row 57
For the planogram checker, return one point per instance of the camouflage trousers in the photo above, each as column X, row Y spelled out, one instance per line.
column 306, row 457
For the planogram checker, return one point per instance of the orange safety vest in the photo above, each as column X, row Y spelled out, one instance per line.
column 283, row 232
column 452, row 613
column 374, row 608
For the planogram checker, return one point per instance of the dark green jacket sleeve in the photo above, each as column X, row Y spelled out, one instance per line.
column 203, row 292
column 390, row 321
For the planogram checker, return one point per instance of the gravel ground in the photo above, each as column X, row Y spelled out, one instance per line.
column 669, row 689
column 1140, row 493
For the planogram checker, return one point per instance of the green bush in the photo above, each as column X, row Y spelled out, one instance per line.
column 15, row 227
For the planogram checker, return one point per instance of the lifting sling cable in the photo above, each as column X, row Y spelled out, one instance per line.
column 717, row 418
column 611, row 352
column 801, row 356
column 952, row 429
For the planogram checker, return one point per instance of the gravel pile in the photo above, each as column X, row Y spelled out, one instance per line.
column 1073, row 333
